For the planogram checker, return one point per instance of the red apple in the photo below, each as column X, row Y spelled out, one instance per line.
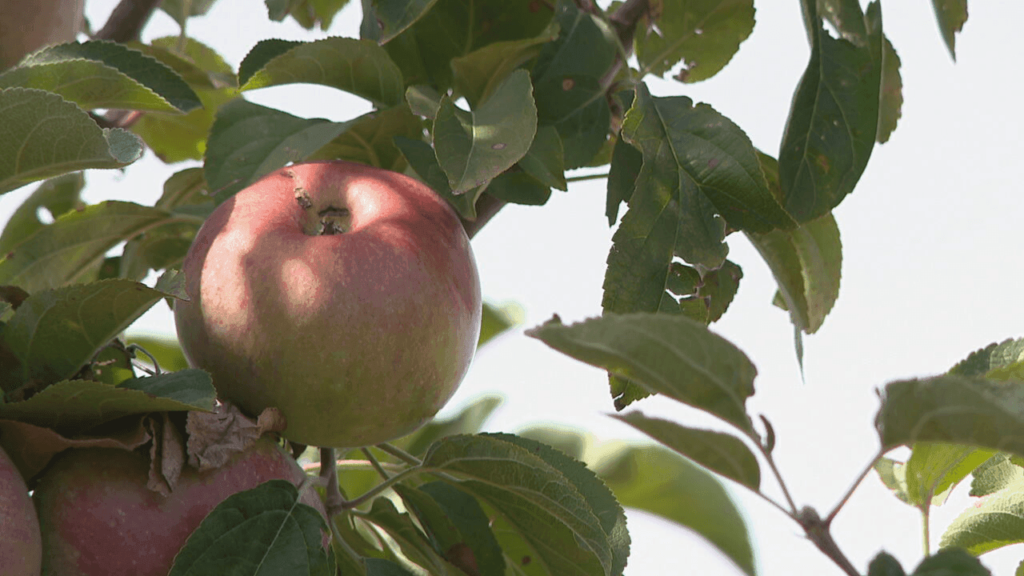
column 21, row 550
column 346, row 296
column 99, row 519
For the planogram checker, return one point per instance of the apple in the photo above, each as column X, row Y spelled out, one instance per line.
column 346, row 296
column 98, row 518
column 21, row 549
column 29, row 26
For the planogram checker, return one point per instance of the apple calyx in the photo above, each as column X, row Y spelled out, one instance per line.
column 326, row 222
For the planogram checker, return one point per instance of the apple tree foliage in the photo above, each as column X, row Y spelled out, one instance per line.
column 490, row 102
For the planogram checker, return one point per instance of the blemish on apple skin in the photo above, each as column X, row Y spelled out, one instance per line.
column 302, row 197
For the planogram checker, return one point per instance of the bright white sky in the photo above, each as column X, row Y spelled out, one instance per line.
column 929, row 272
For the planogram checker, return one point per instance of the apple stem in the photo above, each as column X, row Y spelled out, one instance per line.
column 334, row 502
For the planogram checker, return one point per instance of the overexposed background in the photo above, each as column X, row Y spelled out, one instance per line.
column 930, row 271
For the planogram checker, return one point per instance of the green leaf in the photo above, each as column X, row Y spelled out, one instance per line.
column 74, row 245
column 833, row 121
column 359, row 67
column 951, row 16
column 995, row 474
column 468, row 421
column 369, row 139
column 933, row 470
column 544, row 516
column 161, row 248
column 698, row 167
column 412, row 541
column 249, row 141
column 54, row 333
column 807, row 264
column 498, row 319
column 891, row 104
column 517, row 187
column 77, row 405
column 718, row 288
column 479, row 73
column 468, row 517
column 306, row 12
column 179, row 137
column 951, row 562
column 885, row 565
column 423, row 161
column 993, row 360
column 385, row 19
column 42, row 135
column 721, row 453
column 596, row 493
column 655, row 480
column 704, row 34
column 100, row 74
column 995, row 521
column 182, row 10
column 545, row 160
column 474, row 147
column 266, row 530
column 622, row 174
column 567, row 79
column 893, row 474
column 953, row 409
column 382, row 567
column 667, row 354
column 57, row 196
column 423, row 100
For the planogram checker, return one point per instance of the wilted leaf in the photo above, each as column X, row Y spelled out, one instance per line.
column 100, row 74
column 42, row 135
column 359, row 67
column 704, row 34
column 667, row 354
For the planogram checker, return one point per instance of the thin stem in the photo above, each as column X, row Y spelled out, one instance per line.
column 376, row 465
column 926, row 529
column 342, row 543
column 586, row 177
column 846, row 497
column 356, row 465
column 487, row 207
column 399, row 453
column 334, row 502
column 380, row 488
column 127, row 20
column 778, row 477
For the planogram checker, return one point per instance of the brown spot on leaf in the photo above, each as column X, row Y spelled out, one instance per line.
column 568, row 84
column 498, row 146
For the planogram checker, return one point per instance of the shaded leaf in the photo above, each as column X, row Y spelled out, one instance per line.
column 477, row 74
column 422, row 160
column 721, row 453
column 101, row 74
column 42, row 135
column 951, row 16
column 382, row 567
column 953, row 409
column 542, row 510
column 885, row 565
column 265, row 530
column 519, row 188
column 994, row 358
column 77, row 405
column 249, row 141
column 654, row 479
column 307, row 13
column 891, row 105
column 385, row 19
column 55, row 332
column 55, row 196
column 545, row 160
column 369, row 139
column 182, row 10
column 667, row 354
column 833, row 121
column 951, row 562
column 359, row 67
column 704, row 35
column 411, row 540
column 473, row 524
column 70, row 248
column 474, row 147
column 807, row 264
column 423, row 100
column 622, row 174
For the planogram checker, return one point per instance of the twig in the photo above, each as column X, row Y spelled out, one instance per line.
column 334, row 502
column 586, row 177
column 486, row 208
column 778, row 477
column 818, row 532
column 860, row 478
column 127, row 20
column 376, row 465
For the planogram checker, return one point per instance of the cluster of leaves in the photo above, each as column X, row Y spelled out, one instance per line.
column 547, row 88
